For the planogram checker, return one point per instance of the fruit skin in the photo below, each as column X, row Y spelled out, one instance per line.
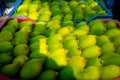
column 92, row 51
column 5, row 47
column 87, row 40
column 14, row 23
column 68, row 73
column 21, row 49
column 8, row 28
column 6, row 36
column 57, row 59
column 111, row 59
column 110, row 72
column 97, row 30
column 25, row 23
column 5, row 58
column 110, row 32
column 107, row 48
column 77, row 62
column 47, row 75
column 111, row 25
column 103, row 39
column 89, row 72
column 95, row 62
column 74, row 52
column 21, row 59
column 10, row 70
column 31, row 69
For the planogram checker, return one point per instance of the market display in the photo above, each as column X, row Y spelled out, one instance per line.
column 63, row 11
column 60, row 50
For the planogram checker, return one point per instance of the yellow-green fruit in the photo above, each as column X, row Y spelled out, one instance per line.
column 92, row 51
column 111, row 25
column 21, row 49
column 57, row 59
column 97, row 30
column 74, row 52
column 69, row 37
column 6, row 36
column 79, row 32
column 13, row 23
column 95, row 62
column 39, row 27
column 87, row 41
column 26, row 29
column 91, row 73
column 37, row 39
column 25, row 23
column 47, row 75
column 110, row 32
column 68, row 73
column 111, row 59
column 68, row 17
column 64, row 31
column 38, row 54
column 70, row 44
column 83, row 26
column 10, row 70
column 96, row 22
column 21, row 59
column 34, row 33
column 5, row 58
column 5, row 47
column 110, row 72
column 103, row 39
column 8, row 28
column 31, row 69
column 77, row 62
column 67, row 23
column 79, row 25
column 107, row 48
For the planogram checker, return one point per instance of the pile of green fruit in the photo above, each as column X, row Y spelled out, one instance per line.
column 63, row 11
column 60, row 50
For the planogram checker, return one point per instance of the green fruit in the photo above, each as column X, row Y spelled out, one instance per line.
column 68, row 17
column 87, row 40
column 91, row 52
column 94, row 62
column 21, row 34
column 14, row 23
column 47, row 75
column 57, row 17
column 79, row 25
column 38, row 46
column 69, row 37
column 68, row 73
column 10, row 70
column 37, row 54
column 83, row 26
column 25, row 23
column 5, row 47
column 116, row 41
column 70, row 44
column 6, row 36
column 31, row 69
column 103, row 39
column 107, row 48
column 57, row 59
column 78, row 17
column 21, row 59
column 67, row 23
column 5, row 58
column 19, row 40
column 8, row 28
column 91, row 73
column 74, row 52
column 111, row 59
column 34, row 33
column 39, row 27
column 77, row 62
column 97, row 30
column 117, row 50
column 21, row 49
column 26, row 29
column 96, row 22
column 110, row 32
column 111, row 25
column 38, row 38
column 110, row 72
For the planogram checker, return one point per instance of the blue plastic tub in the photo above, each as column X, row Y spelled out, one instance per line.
column 2, row 7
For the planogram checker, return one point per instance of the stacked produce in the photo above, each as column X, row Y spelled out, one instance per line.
column 60, row 50
column 63, row 11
